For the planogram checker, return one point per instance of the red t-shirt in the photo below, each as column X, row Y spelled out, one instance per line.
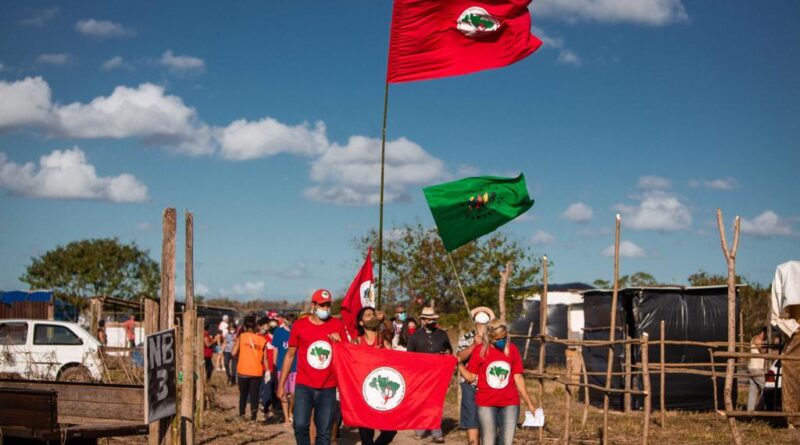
column 208, row 352
column 314, row 351
column 270, row 351
column 496, row 372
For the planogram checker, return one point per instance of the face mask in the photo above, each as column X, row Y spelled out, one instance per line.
column 402, row 317
column 372, row 324
column 430, row 325
column 263, row 330
column 272, row 329
column 322, row 314
column 411, row 331
column 500, row 344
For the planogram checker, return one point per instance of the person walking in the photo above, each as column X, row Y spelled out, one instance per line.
column 102, row 337
column 249, row 350
column 130, row 331
column 368, row 323
column 310, row 340
column 208, row 351
column 400, row 342
column 494, row 366
column 280, row 339
column 431, row 340
column 268, row 383
column 756, row 368
column 227, row 354
column 467, row 344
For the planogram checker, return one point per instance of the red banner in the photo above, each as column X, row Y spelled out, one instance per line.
column 391, row 390
column 359, row 295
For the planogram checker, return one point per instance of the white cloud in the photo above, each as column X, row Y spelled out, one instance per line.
column 181, row 64
column 566, row 56
column 24, row 103
column 102, row 29
column 251, row 289
column 654, row 183
column 542, row 238
column 144, row 226
column 641, row 12
column 54, row 59
column 657, row 210
column 145, row 112
column 350, row 174
column 767, row 224
column 295, row 271
column 569, row 57
column 68, row 175
column 724, row 184
column 243, row 140
column 578, row 212
column 40, row 18
column 113, row 63
column 627, row 249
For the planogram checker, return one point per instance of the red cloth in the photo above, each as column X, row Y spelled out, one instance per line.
column 207, row 350
column 314, row 351
column 391, row 390
column 357, row 295
column 496, row 372
column 425, row 42
column 270, row 351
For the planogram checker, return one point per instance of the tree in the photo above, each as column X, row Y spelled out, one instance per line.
column 416, row 268
column 95, row 267
column 639, row 279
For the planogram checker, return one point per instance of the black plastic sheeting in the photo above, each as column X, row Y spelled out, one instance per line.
column 556, row 327
column 695, row 314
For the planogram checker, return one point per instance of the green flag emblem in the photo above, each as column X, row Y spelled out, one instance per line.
column 472, row 207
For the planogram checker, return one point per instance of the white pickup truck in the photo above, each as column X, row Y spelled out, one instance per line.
column 49, row 350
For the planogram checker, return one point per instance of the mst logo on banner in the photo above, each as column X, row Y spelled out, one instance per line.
column 159, row 377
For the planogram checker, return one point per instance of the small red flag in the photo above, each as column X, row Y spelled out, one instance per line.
column 437, row 38
column 391, row 390
column 359, row 295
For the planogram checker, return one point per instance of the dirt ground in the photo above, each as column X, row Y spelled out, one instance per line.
column 221, row 425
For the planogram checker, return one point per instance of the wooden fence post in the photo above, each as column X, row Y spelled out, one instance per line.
column 713, row 377
column 201, row 373
column 504, row 277
column 189, row 332
column 613, row 323
column 662, row 388
column 585, row 373
column 628, row 363
column 645, row 352
column 730, row 257
column 151, row 317
column 167, row 303
column 567, row 400
column 527, row 343
column 542, row 337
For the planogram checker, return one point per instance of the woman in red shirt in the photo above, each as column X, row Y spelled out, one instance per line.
column 369, row 322
column 495, row 366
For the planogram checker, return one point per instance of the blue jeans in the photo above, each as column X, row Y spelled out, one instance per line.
column 491, row 418
column 469, row 411
column 323, row 402
column 266, row 394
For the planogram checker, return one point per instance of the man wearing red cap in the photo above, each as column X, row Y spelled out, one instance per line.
column 315, row 389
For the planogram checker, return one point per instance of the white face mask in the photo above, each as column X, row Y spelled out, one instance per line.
column 323, row 314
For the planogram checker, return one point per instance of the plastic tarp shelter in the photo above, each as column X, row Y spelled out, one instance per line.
column 689, row 313
column 18, row 296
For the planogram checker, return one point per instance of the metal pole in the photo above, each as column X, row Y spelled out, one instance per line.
column 380, row 223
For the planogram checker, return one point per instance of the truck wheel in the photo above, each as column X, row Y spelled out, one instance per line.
column 75, row 374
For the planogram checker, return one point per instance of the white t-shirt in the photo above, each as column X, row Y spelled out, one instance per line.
column 223, row 327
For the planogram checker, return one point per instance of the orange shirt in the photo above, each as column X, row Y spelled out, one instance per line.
column 251, row 355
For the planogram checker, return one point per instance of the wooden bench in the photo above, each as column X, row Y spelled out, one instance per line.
column 70, row 412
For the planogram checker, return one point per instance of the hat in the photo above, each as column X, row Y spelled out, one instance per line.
column 321, row 296
column 225, row 317
column 428, row 312
column 272, row 314
column 482, row 310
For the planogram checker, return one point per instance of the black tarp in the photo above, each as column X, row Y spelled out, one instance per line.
column 696, row 314
column 556, row 327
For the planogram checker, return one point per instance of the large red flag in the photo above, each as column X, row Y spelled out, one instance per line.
column 359, row 295
column 391, row 390
column 440, row 38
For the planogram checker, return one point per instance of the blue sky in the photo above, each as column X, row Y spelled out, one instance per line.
column 263, row 118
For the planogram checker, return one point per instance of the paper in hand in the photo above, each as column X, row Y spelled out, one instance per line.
column 535, row 419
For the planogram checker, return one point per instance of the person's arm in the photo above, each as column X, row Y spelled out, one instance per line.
column 287, row 366
column 519, row 381
column 466, row 373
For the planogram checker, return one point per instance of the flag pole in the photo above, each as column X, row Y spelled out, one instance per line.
column 460, row 289
column 380, row 223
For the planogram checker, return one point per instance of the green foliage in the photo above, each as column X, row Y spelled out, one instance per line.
column 95, row 267
column 639, row 279
column 416, row 266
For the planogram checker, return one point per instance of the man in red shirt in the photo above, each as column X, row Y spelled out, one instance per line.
column 310, row 339
column 130, row 331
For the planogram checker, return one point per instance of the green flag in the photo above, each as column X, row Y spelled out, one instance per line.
column 472, row 207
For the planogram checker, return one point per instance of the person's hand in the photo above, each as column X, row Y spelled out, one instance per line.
column 282, row 394
column 334, row 337
column 478, row 340
column 380, row 315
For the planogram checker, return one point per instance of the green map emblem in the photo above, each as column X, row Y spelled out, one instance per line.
column 383, row 389
column 319, row 354
column 498, row 373
column 475, row 21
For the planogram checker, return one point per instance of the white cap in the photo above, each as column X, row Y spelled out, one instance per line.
column 482, row 317
column 225, row 317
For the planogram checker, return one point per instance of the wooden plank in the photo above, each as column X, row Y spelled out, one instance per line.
column 113, row 410
column 28, row 408
column 95, row 431
column 83, row 392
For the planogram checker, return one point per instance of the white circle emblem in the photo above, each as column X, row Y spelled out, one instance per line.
column 319, row 354
column 475, row 21
column 365, row 291
column 383, row 389
column 498, row 374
